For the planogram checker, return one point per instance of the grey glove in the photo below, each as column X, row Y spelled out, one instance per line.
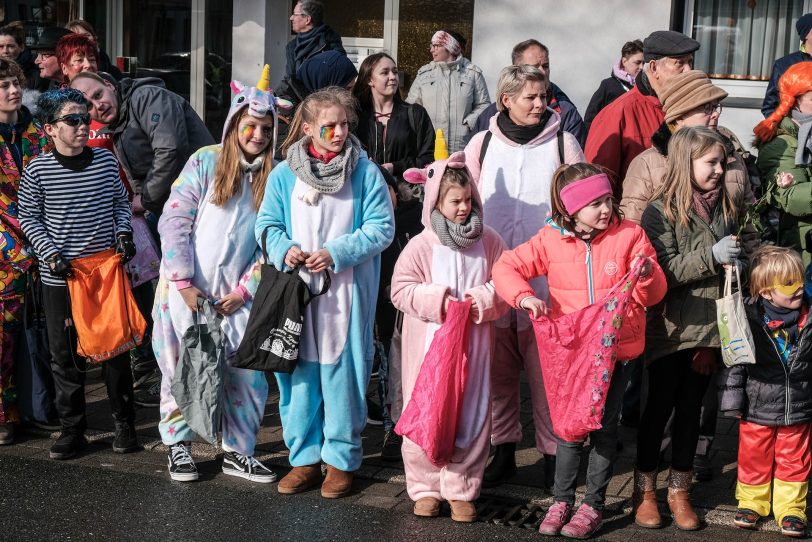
column 726, row 250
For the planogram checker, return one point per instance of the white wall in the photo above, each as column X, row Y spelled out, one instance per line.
column 261, row 30
column 584, row 37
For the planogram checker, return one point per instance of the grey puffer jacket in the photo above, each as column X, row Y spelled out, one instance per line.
column 155, row 133
column 770, row 392
column 454, row 94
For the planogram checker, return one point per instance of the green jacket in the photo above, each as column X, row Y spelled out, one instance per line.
column 686, row 317
column 795, row 203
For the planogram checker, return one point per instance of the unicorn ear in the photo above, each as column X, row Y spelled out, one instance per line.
column 456, row 160
column 283, row 104
column 415, row 175
column 237, row 87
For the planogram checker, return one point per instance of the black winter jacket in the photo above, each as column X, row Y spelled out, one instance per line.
column 769, row 392
column 781, row 65
column 405, row 146
column 608, row 91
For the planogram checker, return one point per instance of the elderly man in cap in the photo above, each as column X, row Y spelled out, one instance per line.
column 623, row 129
column 46, row 60
column 803, row 26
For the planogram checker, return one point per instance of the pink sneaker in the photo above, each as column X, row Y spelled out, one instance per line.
column 583, row 524
column 557, row 516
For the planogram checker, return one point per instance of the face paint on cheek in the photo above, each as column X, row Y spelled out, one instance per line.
column 326, row 133
column 247, row 131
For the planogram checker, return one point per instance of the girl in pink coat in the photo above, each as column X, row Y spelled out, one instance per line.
column 450, row 259
column 584, row 250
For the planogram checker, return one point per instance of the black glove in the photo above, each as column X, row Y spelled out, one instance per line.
column 59, row 267
column 125, row 246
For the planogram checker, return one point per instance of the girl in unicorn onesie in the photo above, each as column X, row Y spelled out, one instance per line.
column 209, row 251
column 450, row 259
column 327, row 209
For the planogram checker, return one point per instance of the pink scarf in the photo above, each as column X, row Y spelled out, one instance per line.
column 620, row 73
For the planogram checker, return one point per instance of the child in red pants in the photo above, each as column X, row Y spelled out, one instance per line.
column 773, row 397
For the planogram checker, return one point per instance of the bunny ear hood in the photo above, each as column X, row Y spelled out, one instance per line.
column 260, row 101
column 431, row 176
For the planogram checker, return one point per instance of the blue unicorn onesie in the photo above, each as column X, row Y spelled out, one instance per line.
column 348, row 212
column 212, row 248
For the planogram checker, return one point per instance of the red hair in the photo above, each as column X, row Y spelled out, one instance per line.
column 796, row 80
column 70, row 44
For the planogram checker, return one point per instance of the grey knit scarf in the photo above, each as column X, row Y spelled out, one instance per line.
column 804, row 152
column 326, row 178
column 457, row 236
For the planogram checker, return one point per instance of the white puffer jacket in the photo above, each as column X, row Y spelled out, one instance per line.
column 454, row 94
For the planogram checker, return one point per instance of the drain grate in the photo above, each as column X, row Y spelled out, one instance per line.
column 509, row 513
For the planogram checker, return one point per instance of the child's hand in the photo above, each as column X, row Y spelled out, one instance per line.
column 229, row 303
column 295, row 257
column 190, row 296
column 535, row 306
column 645, row 268
column 319, row 261
column 448, row 299
column 474, row 309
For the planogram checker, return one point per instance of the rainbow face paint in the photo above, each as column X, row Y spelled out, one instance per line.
column 246, row 131
column 327, row 133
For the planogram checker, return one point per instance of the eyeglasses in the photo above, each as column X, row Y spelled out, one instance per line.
column 73, row 119
column 710, row 109
column 45, row 56
column 788, row 289
column 298, row 15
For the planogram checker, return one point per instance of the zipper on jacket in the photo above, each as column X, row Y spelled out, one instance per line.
column 588, row 263
column 786, row 375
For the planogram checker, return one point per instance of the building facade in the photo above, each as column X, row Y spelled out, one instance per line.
column 198, row 46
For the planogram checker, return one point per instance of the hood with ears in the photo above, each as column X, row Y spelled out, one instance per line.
column 260, row 101
column 431, row 176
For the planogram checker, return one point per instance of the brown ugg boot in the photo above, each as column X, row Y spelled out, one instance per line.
column 679, row 500
column 644, row 499
column 463, row 511
column 337, row 483
column 300, row 479
column 427, row 507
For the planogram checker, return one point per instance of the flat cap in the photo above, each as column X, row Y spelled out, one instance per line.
column 47, row 40
column 662, row 43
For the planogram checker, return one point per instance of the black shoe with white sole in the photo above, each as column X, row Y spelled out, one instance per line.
column 181, row 465
column 248, row 467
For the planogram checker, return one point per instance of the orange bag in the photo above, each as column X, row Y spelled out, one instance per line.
column 107, row 320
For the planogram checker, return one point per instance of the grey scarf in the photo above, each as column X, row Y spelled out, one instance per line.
column 457, row 236
column 804, row 152
column 326, row 178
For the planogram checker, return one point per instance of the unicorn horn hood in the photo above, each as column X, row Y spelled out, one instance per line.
column 260, row 101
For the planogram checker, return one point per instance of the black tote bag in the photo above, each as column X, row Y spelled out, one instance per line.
column 271, row 339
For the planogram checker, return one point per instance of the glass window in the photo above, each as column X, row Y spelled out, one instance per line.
column 219, row 17
column 418, row 21
column 741, row 39
column 35, row 15
column 358, row 19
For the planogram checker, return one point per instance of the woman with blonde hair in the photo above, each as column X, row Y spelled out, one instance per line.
column 785, row 156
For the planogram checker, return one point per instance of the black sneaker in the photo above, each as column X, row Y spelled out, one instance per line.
column 148, row 394
column 181, row 465
column 793, row 526
column 248, row 467
column 746, row 518
column 390, row 451
column 67, row 446
column 125, row 440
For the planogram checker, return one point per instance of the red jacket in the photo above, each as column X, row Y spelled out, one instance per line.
column 622, row 130
column 579, row 274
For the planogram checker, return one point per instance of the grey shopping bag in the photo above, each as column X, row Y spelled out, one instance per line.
column 734, row 329
column 198, row 382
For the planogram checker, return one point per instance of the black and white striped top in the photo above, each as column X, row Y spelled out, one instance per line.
column 75, row 212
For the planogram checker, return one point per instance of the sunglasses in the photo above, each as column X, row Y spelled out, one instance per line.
column 73, row 119
column 788, row 289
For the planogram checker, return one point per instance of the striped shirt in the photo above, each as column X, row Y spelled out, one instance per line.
column 73, row 213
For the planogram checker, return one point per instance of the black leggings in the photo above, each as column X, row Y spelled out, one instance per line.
column 673, row 387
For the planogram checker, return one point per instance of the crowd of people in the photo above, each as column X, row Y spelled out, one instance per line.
column 405, row 214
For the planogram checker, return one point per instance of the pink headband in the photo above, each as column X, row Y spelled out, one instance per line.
column 447, row 41
column 581, row 193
